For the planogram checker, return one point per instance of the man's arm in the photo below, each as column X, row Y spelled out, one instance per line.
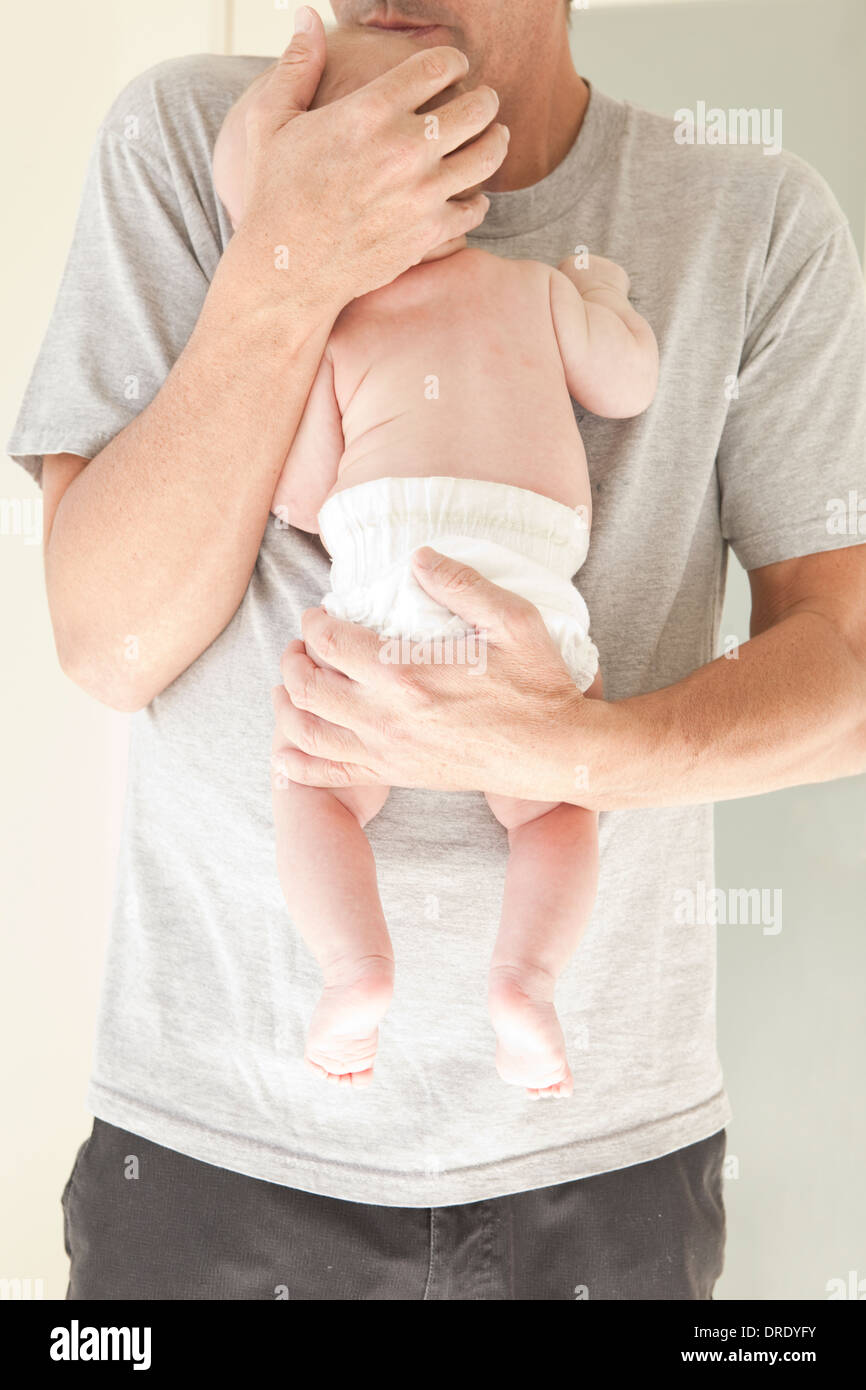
column 156, row 537
column 790, row 709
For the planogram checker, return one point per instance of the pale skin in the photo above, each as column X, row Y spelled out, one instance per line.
column 510, row 342
column 790, row 710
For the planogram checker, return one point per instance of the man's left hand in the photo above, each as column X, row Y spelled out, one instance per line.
column 509, row 727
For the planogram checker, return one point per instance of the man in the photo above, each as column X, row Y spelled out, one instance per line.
column 164, row 403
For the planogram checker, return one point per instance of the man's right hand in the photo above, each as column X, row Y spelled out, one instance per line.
column 356, row 191
column 357, row 194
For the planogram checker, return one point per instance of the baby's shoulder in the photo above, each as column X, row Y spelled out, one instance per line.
column 475, row 260
column 471, row 281
column 475, row 273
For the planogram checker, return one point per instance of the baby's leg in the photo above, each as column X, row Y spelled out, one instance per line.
column 550, row 886
column 328, row 877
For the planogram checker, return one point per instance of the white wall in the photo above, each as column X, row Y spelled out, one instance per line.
column 792, row 1028
column 61, row 754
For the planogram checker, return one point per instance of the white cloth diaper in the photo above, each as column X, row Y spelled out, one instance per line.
column 518, row 539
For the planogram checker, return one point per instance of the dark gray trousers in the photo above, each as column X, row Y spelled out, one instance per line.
column 182, row 1229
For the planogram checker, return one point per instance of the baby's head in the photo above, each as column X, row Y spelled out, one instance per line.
column 358, row 56
column 355, row 57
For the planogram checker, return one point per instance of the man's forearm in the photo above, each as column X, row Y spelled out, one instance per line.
column 153, row 543
column 789, row 709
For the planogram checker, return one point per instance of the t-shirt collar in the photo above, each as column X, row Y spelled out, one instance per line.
column 527, row 209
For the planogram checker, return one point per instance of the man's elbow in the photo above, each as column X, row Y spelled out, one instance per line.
column 123, row 690
column 858, row 740
column 843, row 719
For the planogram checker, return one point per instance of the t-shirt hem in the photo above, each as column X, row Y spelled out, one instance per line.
column 403, row 1188
column 29, row 451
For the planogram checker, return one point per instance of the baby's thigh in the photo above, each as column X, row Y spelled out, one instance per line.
column 308, row 805
column 513, row 811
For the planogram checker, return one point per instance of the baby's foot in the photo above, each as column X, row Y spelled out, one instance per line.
column 343, row 1033
column 530, row 1046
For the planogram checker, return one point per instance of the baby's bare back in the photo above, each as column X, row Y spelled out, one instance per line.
column 455, row 369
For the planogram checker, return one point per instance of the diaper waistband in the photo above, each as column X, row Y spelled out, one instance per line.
column 373, row 525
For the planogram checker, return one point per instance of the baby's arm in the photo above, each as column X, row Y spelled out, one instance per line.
column 608, row 350
column 313, row 461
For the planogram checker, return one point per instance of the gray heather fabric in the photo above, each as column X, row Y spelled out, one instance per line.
column 744, row 265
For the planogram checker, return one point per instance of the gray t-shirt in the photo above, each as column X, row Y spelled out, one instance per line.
column 746, row 269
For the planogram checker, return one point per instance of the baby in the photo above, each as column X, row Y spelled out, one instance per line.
column 441, row 415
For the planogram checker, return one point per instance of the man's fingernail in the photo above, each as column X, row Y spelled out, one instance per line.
column 304, row 20
column 425, row 558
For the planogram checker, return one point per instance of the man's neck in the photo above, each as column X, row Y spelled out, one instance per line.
column 544, row 122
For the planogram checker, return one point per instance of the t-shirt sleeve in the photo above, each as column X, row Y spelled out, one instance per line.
column 793, row 450
column 145, row 246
